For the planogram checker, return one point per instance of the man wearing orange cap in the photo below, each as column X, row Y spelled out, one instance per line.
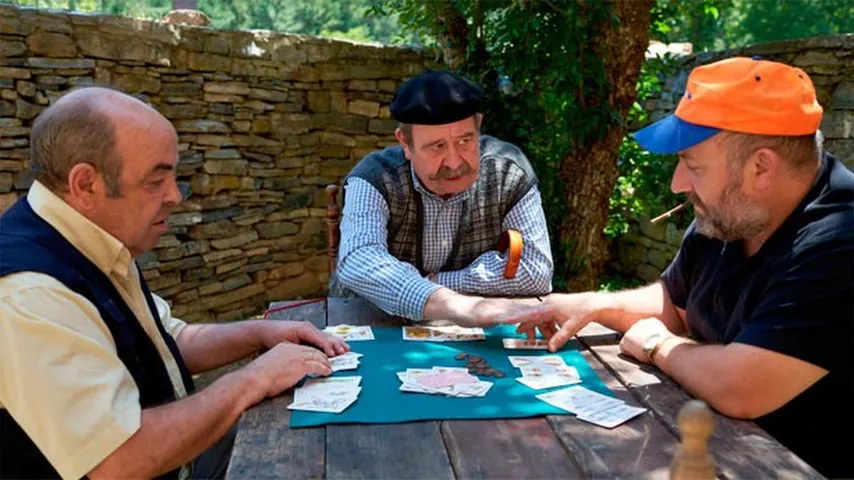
column 756, row 313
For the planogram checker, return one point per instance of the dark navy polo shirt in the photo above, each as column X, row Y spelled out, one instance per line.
column 795, row 296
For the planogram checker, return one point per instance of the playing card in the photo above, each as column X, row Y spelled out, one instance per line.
column 351, row 333
column 612, row 417
column 346, row 361
column 525, row 344
column 477, row 389
column 520, row 361
column 548, row 381
column 542, row 370
column 579, row 400
column 325, row 403
column 442, row 334
column 323, row 388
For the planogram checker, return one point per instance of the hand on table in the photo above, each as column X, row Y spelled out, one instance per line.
column 633, row 341
column 561, row 317
column 273, row 332
column 284, row 365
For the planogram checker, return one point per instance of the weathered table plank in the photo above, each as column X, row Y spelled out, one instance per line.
column 394, row 451
column 405, row 450
column 265, row 446
column 314, row 312
column 640, row 448
column 740, row 449
column 515, row 448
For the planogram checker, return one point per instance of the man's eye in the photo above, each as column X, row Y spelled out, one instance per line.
column 463, row 141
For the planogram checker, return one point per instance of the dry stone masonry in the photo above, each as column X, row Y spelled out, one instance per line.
column 265, row 121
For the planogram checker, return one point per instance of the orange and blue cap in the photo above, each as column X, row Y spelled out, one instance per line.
column 738, row 94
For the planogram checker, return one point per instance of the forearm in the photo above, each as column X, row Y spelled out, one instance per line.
column 708, row 373
column 485, row 276
column 208, row 346
column 174, row 434
column 620, row 310
column 445, row 304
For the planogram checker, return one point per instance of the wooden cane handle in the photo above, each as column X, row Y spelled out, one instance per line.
column 511, row 242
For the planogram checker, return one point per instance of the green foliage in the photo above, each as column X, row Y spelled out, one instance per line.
column 643, row 187
column 545, row 85
column 616, row 283
column 723, row 24
column 345, row 19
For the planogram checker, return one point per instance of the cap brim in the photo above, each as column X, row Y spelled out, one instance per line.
column 671, row 135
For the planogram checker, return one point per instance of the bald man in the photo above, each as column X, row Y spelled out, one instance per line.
column 96, row 373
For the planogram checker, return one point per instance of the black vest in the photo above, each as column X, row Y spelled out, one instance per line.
column 28, row 243
column 505, row 177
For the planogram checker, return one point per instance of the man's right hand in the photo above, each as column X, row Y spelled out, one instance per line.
column 571, row 312
column 284, row 365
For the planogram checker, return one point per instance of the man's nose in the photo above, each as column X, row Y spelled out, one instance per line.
column 453, row 160
column 174, row 195
column 679, row 183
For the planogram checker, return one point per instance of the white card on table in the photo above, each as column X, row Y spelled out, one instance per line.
column 346, row 361
column 548, row 381
column 525, row 360
column 525, row 344
column 351, row 333
column 579, row 400
column 612, row 417
column 442, row 334
column 324, row 404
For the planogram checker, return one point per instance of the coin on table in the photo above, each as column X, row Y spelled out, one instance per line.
column 476, row 359
column 461, row 356
column 498, row 374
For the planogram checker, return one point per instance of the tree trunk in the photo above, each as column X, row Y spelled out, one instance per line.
column 452, row 32
column 589, row 172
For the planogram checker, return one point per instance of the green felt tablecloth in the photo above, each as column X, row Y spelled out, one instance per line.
column 381, row 401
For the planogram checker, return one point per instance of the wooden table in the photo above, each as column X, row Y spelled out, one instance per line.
column 542, row 447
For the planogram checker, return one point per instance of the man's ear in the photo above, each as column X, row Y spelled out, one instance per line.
column 401, row 138
column 83, row 186
column 766, row 166
column 478, row 120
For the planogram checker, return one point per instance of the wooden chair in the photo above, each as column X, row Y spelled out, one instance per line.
column 333, row 235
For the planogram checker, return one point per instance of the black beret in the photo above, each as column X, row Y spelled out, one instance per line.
column 436, row 98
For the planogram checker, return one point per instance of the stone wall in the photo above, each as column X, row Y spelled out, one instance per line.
column 265, row 120
column 647, row 249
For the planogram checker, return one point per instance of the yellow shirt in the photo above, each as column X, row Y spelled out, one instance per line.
column 60, row 376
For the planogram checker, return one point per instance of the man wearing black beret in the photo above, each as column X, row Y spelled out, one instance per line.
column 422, row 220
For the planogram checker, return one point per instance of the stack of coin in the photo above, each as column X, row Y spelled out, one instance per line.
column 477, row 365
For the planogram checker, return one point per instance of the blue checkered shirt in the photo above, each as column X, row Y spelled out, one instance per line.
column 366, row 267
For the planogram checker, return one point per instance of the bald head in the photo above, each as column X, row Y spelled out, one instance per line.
column 85, row 126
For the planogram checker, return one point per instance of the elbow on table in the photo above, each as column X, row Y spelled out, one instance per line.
column 737, row 401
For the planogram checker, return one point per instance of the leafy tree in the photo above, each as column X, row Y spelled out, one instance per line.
column 559, row 77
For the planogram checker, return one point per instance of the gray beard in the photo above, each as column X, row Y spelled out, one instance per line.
column 734, row 219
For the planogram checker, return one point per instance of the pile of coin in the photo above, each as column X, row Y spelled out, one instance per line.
column 477, row 365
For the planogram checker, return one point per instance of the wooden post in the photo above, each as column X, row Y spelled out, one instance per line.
column 333, row 236
column 692, row 459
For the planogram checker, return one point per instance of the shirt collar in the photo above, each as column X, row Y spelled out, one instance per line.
column 104, row 250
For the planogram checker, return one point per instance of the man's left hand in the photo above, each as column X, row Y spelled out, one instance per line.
column 633, row 341
column 273, row 332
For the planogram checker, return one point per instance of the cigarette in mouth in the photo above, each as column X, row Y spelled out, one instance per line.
column 668, row 213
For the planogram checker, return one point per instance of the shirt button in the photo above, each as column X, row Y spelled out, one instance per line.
column 444, row 243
